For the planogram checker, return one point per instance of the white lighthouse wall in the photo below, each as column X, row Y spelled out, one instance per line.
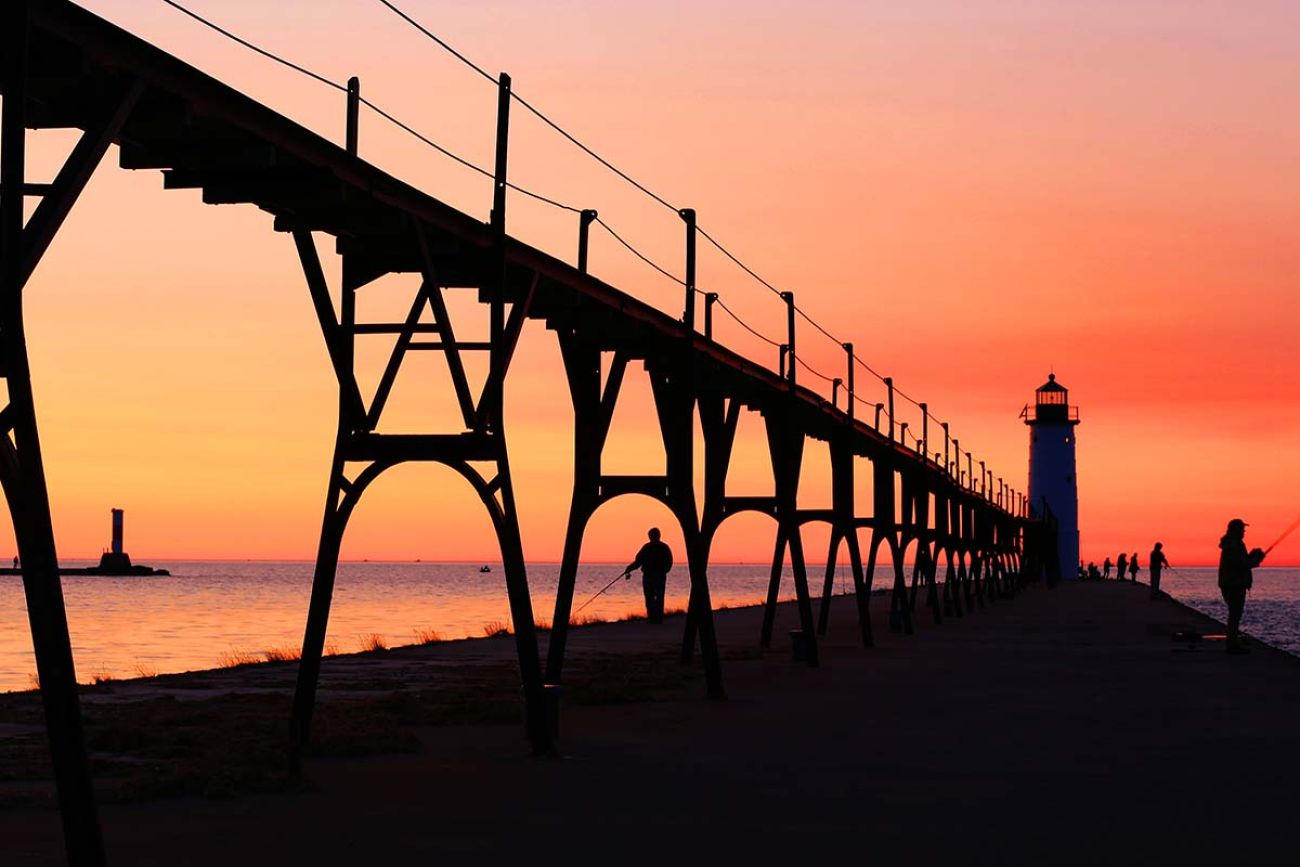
column 1052, row 477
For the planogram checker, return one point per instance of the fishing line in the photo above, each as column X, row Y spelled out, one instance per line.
column 602, row 590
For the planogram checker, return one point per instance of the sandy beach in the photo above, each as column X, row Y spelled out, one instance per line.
column 1064, row 726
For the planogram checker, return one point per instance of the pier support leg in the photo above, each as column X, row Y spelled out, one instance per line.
column 977, row 578
column 700, row 606
column 578, row 517
column 773, row 588
column 521, row 607
column 23, row 477
column 898, row 604
column 861, row 589
column 337, row 509
column 963, row 578
column 951, row 589
column 804, row 599
column 828, row 584
column 22, row 472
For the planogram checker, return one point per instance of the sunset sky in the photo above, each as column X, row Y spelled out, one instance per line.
column 974, row 192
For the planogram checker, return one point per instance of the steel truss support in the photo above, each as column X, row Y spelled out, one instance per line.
column 923, row 566
column 844, row 528
column 886, row 530
column 593, row 408
column 22, row 473
column 944, row 542
column 361, row 455
column 785, row 445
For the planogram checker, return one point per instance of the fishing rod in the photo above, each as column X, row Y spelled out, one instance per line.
column 602, row 590
column 1287, row 532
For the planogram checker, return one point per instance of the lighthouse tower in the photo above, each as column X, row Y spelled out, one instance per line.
column 1053, row 485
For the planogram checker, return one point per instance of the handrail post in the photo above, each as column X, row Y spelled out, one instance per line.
column 502, row 151
column 688, row 216
column 835, row 392
column 879, row 408
column 354, row 111
column 925, row 430
column 956, row 460
column 983, row 477
column 947, row 463
column 710, row 298
column 784, row 348
column 585, row 218
column 788, row 298
column 902, row 433
column 889, row 384
column 497, row 312
column 848, row 348
column 970, row 469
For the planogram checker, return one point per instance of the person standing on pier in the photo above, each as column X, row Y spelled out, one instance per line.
column 1156, row 562
column 1133, row 567
column 1235, row 563
column 1120, row 566
column 654, row 560
column 1105, row 569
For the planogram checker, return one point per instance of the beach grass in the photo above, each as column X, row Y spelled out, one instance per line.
column 427, row 636
column 235, row 658
column 495, row 629
column 282, row 654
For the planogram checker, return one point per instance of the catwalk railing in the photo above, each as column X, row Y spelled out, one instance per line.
column 65, row 68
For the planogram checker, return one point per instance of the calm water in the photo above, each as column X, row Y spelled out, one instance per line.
column 208, row 612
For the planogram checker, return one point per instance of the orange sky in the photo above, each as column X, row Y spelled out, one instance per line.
column 973, row 192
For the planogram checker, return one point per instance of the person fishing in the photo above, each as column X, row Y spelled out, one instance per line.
column 1156, row 562
column 1133, row 567
column 654, row 560
column 1105, row 569
column 1235, row 563
column 1121, row 565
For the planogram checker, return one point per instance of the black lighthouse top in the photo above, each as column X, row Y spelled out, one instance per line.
column 1051, row 405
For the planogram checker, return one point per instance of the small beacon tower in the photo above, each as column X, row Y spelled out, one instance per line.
column 1053, row 484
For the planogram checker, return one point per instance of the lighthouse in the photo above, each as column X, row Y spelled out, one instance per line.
column 1053, row 483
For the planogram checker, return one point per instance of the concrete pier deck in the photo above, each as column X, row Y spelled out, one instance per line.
column 1061, row 727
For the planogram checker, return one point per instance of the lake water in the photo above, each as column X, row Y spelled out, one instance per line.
column 207, row 613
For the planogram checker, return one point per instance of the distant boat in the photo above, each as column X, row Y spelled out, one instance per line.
column 485, row 568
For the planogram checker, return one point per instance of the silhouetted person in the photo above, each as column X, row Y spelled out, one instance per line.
column 1235, row 563
column 1105, row 569
column 1121, row 565
column 1156, row 562
column 1133, row 567
column 654, row 560
column 1093, row 574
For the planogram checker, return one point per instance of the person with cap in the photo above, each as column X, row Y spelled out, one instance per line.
column 654, row 560
column 1235, row 563
column 1156, row 562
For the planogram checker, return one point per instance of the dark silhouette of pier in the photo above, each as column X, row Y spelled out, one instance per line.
column 66, row 68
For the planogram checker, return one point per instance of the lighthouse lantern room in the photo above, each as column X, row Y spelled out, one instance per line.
column 1053, row 483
